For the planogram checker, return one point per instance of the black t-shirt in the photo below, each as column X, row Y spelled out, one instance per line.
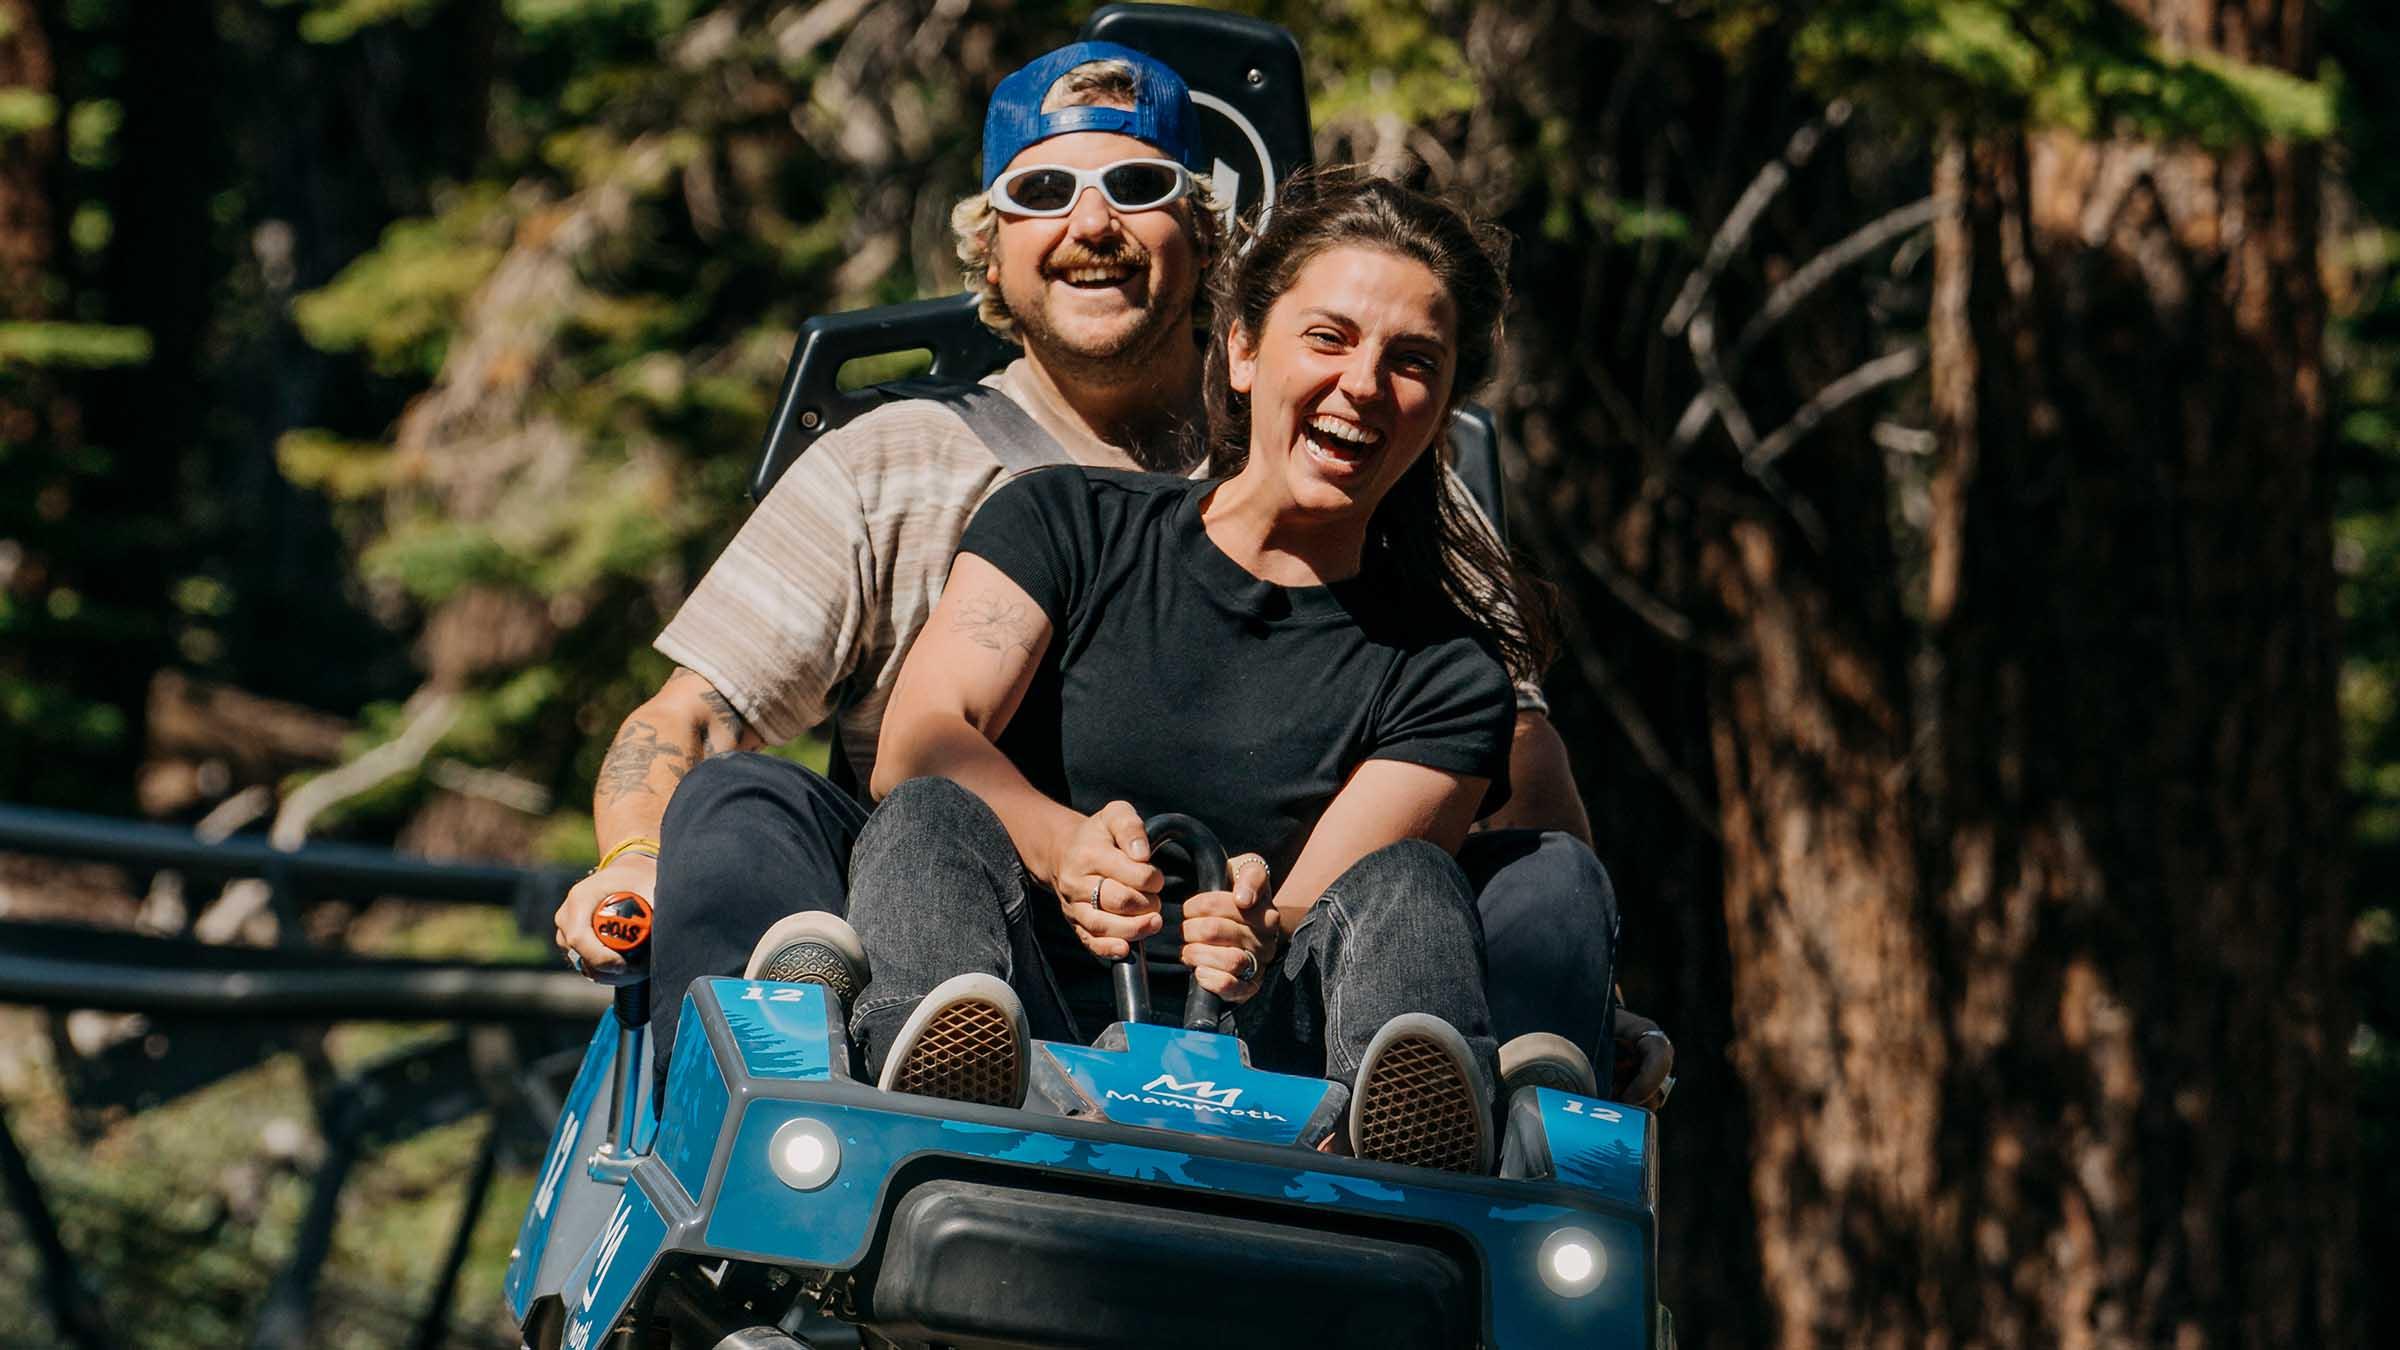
column 1177, row 681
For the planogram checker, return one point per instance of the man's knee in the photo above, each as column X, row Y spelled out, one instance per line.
column 1549, row 873
column 739, row 821
column 747, row 782
column 1549, row 917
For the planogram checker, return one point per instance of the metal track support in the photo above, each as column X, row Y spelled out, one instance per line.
column 72, row 1306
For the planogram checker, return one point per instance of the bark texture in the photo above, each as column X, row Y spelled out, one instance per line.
column 2016, row 741
column 2042, row 1003
column 2141, row 900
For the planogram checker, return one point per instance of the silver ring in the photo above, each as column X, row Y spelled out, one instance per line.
column 1666, row 1090
column 1097, row 883
column 1249, row 967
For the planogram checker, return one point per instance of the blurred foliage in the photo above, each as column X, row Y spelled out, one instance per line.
column 71, row 345
column 2089, row 66
column 399, row 304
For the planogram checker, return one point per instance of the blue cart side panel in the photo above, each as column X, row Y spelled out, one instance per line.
column 781, row 1030
column 589, row 1093
column 1599, row 1146
column 756, row 1214
column 604, row 1281
column 1192, row 1082
column 694, row 1118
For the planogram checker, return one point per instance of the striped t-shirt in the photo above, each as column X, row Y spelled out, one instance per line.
column 813, row 606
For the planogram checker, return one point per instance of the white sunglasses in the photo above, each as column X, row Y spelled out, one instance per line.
column 1053, row 189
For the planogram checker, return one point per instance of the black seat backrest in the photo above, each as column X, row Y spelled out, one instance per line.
column 1245, row 78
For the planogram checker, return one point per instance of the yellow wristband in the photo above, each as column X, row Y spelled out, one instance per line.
column 637, row 844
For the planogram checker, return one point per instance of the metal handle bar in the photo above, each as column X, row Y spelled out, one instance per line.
column 1201, row 1009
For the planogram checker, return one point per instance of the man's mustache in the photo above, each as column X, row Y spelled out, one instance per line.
column 1071, row 255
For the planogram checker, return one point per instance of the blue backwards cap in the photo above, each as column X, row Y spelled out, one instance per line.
column 1161, row 113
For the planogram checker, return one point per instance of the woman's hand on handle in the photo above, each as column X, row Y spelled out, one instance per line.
column 1231, row 937
column 1101, row 873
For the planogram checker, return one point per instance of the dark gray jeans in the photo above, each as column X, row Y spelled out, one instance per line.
column 749, row 838
column 936, row 890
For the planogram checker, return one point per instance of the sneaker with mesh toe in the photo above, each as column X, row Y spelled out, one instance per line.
column 966, row 1043
column 1541, row 1059
column 811, row 947
column 1420, row 1099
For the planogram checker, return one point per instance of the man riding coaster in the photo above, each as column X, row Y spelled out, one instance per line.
column 1097, row 271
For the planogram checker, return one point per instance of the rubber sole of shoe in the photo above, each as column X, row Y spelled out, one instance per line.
column 965, row 1052
column 811, row 947
column 1549, row 1075
column 1545, row 1059
column 1417, row 1108
column 812, row 963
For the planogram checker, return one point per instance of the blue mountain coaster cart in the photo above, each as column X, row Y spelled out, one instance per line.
column 1155, row 1190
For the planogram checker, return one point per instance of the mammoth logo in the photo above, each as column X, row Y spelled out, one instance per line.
column 556, row 1170
column 1244, row 171
column 1204, row 1091
column 1203, row 1098
column 620, row 1223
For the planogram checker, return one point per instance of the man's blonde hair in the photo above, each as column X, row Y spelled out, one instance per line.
column 1107, row 84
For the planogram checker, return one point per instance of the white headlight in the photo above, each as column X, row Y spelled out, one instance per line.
column 1573, row 1263
column 804, row 1154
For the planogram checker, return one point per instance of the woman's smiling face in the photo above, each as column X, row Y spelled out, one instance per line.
column 1349, row 379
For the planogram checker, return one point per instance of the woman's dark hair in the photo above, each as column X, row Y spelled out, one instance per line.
column 1426, row 538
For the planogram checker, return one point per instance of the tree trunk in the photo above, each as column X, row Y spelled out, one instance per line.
column 2042, row 1007
column 2018, row 759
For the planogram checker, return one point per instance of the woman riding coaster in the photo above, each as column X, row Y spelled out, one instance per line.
column 1308, row 655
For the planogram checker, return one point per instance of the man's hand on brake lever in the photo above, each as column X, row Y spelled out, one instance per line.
column 1645, row 1061
column 631, row 871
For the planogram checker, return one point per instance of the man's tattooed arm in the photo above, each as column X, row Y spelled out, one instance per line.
column 998, row 624
column 637, row 750
column 725, row 724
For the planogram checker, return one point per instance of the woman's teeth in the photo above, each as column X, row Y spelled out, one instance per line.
column 1337, row 439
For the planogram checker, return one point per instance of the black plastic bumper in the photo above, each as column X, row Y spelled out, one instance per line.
column 982, row 1267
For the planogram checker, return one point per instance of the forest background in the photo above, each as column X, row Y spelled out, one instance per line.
column 1961, row 431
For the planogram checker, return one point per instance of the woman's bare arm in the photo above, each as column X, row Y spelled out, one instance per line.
column 1384, row 802
column 961, row 684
